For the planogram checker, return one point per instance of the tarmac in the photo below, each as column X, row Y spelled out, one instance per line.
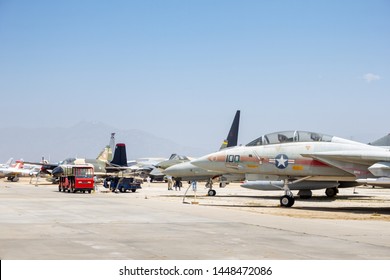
column 39, row 223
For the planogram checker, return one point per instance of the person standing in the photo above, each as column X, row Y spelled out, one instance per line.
column 170, row 183
column 177, row 184
column 148, row 179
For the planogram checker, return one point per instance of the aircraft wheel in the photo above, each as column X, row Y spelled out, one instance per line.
column 211, row 193
column 15, row 179
column 305, row 194
column 331, row 192
column 287, row 201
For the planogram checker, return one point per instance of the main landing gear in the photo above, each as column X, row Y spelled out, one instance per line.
column 287, row 200
column 331, row 192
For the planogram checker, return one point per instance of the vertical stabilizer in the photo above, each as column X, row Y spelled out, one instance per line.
column 120, row 157
column 9, row 162
column 383, row 142
column 232, row 137
column 19, row 164
column 106, row 154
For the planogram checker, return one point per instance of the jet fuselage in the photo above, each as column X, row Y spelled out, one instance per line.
column 295, row 160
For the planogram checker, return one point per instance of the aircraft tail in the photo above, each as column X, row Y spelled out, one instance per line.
column 232, row 137
column 106, row 154
column 120, row 157
column 9, row 162
column 19, row 164
column 384, row 141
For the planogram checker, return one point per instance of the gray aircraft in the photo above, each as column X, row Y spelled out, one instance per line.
column 301, row 160
column 189, row 172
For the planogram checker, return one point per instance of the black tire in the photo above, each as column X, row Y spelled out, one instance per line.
column 133, row 190
column 287, row 201
column 331, row 192
column 211, row 193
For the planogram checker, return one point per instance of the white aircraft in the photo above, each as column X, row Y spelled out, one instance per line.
column 8, row 163
column 12, row 173
column 301, row 160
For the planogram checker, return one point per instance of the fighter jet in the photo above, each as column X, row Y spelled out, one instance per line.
column 153, row 167
column 189, row 172
column 100, row 163
column 12, row 173
column 302, row 160
column 117, row 164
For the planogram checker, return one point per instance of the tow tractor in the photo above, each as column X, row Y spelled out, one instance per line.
column 122, row 184
column 77, row 178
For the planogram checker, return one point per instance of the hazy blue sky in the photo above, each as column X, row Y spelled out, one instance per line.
column 180, row 69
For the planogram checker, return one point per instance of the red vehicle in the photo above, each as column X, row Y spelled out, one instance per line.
column 77, row 178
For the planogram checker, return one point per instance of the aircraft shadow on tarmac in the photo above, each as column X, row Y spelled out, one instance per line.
column 316, row 199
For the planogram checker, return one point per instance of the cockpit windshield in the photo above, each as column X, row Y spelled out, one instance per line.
column 290, row 136
column 68, row 161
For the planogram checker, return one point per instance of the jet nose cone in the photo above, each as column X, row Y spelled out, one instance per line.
column 203, row 162
column 170, row 171
column 58, row 171
column 211, row 162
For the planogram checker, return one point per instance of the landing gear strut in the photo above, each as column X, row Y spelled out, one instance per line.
column 287, row 200
column 211, row 191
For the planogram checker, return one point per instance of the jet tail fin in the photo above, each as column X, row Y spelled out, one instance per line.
column 120, row 157
column 9, row 162
column 106, row 154
column 232, row 137
column 19, row 164
column 384, row 141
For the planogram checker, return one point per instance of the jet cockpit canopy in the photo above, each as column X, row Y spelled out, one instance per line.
column 68, row 161
column 290, row 136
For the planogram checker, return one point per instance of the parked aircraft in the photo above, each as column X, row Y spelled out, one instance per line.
column 99, row 163
column 301, row 160
column 153, row 167
column 117, row 164
column 156, row 171
column 189, row 172
column 12, row 173
column 8, row 163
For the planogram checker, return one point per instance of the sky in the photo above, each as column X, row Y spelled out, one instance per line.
column 180, row 69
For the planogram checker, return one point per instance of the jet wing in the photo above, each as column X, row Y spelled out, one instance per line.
column 355, row 162
column 361, row 157
column 45, row 167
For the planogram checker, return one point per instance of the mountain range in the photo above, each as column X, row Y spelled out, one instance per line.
column 85, row 139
